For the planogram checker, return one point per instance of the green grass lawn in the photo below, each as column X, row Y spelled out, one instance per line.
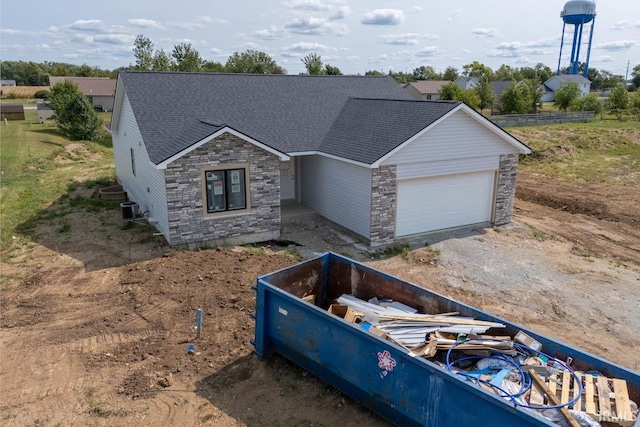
column 36, row 170
column 607, row 151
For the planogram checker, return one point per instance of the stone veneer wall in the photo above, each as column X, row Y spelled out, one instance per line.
column 187, row 221
column 506, row 189
column 383, row 205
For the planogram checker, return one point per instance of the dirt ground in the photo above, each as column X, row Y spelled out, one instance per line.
column 96, row 322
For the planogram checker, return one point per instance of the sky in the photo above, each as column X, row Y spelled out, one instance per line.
column 355, row 36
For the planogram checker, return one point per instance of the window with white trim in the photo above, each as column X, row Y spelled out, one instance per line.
column 225, row 190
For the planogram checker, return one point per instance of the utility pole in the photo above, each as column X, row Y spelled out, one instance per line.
column 626, row 76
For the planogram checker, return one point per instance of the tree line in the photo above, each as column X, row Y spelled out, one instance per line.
column 184, row 57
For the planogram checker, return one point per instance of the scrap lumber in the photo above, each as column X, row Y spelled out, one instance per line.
column 540, row 384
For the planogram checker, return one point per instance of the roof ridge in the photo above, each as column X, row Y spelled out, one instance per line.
column 251, row 74
column 442, row 101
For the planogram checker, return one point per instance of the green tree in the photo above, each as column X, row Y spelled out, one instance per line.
column 566, row 94
column 253, row 62
column 186, row 58
column 84, row 70
column 485, row 93
column 634, row 103
column 635, row 74
column 212, row 67
column 160, row 61
column 450, row 73
column 313, row 63
column 425, row 72
column 453, row 92
column 373, row 73
column 450, row 91
column 479, row 70
column 535, row 92
column 330, row 70
column 75, row 116
column 143, row 51
column 619, row 98
column 516, row 99
column 591, row 102
column 59, row 70
column 506, row 72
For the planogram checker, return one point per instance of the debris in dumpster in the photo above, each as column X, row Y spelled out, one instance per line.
column 514, row 368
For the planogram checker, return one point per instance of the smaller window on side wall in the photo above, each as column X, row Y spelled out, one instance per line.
column 226, row 190
column 133, row 161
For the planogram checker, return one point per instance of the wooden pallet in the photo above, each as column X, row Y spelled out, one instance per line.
column 604, row 399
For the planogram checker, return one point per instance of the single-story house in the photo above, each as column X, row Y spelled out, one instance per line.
column 45, row 112
column 4, row 82
column 12, row 111
column 100, row 90
column 556, row 82
column 467, row 82
column 426, row 89
column 210, row 158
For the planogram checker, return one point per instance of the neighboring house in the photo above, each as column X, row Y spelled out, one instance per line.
column 426, row 89
column 211, row 157
column 12, row 111
column 45, row 112
column 467, row 82
column 556, row 82
column 7, row 82
column 100, row 90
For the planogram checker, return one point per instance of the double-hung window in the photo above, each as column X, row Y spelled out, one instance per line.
column 225, row 189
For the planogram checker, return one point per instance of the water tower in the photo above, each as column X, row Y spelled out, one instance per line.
column 577, row 13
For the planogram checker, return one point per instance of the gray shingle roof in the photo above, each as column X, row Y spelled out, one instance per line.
column 287, row 113
column 577, row 78
column 367, row 129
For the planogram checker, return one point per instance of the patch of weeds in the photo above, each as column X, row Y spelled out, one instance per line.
column 65, row 227
column 99, row 411
column 539, row 235
column 292, row 253
column 255, row 250
column 99, row 182
column 207, row 418
column 93, row 205
column 497, row 229
column 128, row 225
column 425, row 255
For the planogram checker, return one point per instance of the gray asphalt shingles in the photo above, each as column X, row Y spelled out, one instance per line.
column 367, row 129
column 287, row 113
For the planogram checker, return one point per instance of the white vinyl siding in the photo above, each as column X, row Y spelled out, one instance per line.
column 154, row 199
column 339, row 191
column 446, row 167
column 459, row 136
column 436, row 203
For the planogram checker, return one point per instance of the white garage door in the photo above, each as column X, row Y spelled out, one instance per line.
column 435, row 203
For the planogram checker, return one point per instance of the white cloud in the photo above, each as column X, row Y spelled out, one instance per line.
column 383, row 17
column 545, row 42
column 308, row 47
column 484, row 32
column 429, row 51
column 401, row 39
column 114, row 38
column 617, row 45
column 210, row 20
column 270, row 33
column 625, row 25
column 454, row 14
column 186, row 25
column 378, row 59
column 145, row 23
column 315, row 26
column 71, row 55
column 467, row 51
column 12, row 32
column 503, row 53
column 312, row 5
column 215, row 51
column 603, row 58
column 406, row 38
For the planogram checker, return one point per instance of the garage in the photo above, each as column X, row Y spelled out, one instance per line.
column 436, row 203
